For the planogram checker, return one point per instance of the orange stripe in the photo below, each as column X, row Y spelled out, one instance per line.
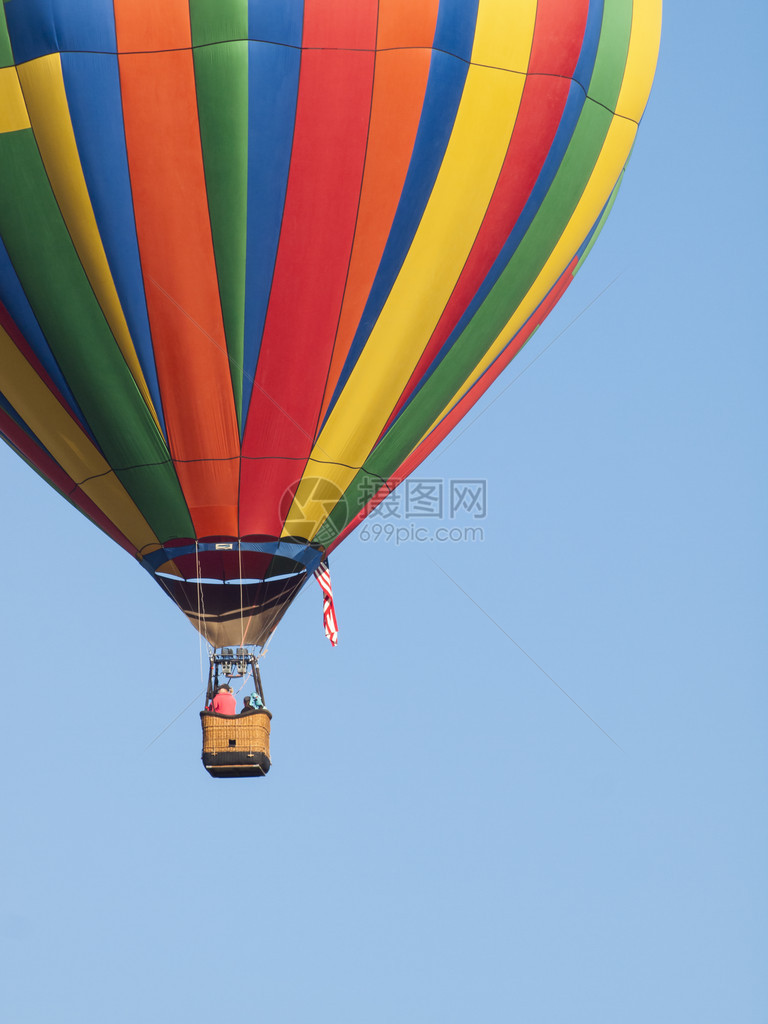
column 170, row 205
column 398, row 93
column 146, row 25
column 405, row 23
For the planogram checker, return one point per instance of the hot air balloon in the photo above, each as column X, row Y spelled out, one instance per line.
column 257, row 259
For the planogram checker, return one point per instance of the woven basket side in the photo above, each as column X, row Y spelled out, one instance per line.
column 247, row 733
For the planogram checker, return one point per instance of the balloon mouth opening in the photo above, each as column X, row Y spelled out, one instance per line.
column 234, row 561
column 239, row 581
column 234, row 590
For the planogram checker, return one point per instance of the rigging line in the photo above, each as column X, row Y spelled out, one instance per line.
column 242, row 369
column 199, row 617
column 455, row 437
column 240, row 575
column 200, row 591
column 198, row 587
column 264, row 649
column 200, row 652
column 522, row 651
column 275, row 614
column 302, row 590
column 193, row 701
column 197, row 577
column 200, row 610
column 272, row 629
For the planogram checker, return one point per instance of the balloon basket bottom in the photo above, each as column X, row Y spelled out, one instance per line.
column 236, row 746
column 237, row 771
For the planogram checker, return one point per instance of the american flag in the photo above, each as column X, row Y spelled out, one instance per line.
column 323, row 577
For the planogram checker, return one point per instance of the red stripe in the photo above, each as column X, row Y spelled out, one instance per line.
column 310, row 273
column 555, row 51
column 339, row 24
column 558, row 37
column 323, row 577
column 329, row 621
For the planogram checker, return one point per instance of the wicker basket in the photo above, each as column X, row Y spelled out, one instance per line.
column 236, row 745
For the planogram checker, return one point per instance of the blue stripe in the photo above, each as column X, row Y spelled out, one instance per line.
column 306, row 555
column 586, row 62
column 276, row 22
column 92, row 83
column 14, row 299
column 455, row 28
column 273, row 85
column 39, row 27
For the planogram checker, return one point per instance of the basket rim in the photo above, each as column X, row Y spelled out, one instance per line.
column 231, row 718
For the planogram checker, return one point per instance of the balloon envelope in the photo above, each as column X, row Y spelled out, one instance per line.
column 257, row 259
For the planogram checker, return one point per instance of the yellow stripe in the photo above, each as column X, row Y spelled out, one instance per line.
column 504, row 33
column 465, row 183
column 43, row 85
column 613, row 157
column 644, row 40
column 69, row 446
column 13, row 110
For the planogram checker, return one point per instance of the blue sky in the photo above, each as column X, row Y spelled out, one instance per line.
column 529, row 785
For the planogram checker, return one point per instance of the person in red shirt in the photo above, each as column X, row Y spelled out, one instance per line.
column 224, row 702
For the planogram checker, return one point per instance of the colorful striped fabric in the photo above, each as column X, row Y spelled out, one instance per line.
column 257, row 259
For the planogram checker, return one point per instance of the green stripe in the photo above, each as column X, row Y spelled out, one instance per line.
column 60, row 295
column 611, row 62
column 221, row 75
column 6, row 53
column 218, row 21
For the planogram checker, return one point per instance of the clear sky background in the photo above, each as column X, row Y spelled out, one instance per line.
column 530, row 783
